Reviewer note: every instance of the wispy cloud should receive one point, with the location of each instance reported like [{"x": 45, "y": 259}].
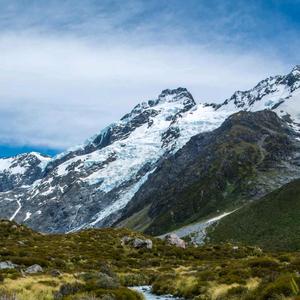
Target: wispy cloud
[{"x": 66, "y": 73}]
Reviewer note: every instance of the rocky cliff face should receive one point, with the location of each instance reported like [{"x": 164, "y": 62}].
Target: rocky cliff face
[{"x": 91, "y": 184}]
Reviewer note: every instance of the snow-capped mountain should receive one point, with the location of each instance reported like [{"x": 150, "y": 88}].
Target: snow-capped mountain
[
  {"x": 21, "y": 170},
  {"x": 279, "y": 93},
  {"x": 90, "y": 184}
]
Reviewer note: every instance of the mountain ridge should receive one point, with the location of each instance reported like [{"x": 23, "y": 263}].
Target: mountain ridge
[{"x": 90, "y": 184}]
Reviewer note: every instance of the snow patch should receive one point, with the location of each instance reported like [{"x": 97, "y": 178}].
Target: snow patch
[
  {"x": 17, "y": 211},
  {"x": 28, "y": 214}
]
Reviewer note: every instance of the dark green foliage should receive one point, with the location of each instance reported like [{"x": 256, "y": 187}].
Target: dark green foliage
[
  {"x": 67, "y": 289},
  {"x": 263, "y": 262},
  {"x": 284, "y": 286},
  {"x": 96, "y": 289}
]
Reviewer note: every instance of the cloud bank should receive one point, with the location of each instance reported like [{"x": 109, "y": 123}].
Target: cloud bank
[{"x": 65, "y": 74}]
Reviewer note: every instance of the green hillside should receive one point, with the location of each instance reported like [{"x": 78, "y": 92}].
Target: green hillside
[{"x": 273, "y": 222}]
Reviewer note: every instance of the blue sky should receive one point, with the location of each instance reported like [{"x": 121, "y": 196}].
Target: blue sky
[{"x": 68, "y": 68}]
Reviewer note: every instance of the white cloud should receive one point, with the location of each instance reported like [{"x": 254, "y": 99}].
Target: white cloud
[
  {"x": 56, "y": 91},
  {"x": 67, "y": 69}
]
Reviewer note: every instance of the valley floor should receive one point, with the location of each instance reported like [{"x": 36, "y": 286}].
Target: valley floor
[{"x": 97, "y": 264}]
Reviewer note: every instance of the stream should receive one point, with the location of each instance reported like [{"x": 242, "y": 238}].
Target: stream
[{"x": 146, "y": 291}]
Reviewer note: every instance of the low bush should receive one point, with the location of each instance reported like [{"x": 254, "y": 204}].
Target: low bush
[
  {"x": 67, "y": 289},
  {"x": 263, "y": 262},
  {"x": 284, "y": 286}
]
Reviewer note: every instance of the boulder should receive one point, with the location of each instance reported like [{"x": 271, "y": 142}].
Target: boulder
[
  {"x": 173, "y": 239},
  {"x": 140, "y": 243},
  {"x": 137, "y": 243},
  {"x": 7, "y": 265},
  {"x": 34, "y": 269}
]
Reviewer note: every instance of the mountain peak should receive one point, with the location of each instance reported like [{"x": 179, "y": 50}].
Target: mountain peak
[
  {"x": 173, "y": 92},
  {"x": 174, "y": 95},
  {"x": 269, "y": 93},
  {"x": 166, "y": 96},
  {"x": 296, "y": 69}
]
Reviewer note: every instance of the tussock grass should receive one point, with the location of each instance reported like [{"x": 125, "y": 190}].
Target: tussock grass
[{"x": 36, "y": 287}]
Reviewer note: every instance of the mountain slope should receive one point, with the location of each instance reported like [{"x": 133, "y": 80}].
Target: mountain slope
[
  {"x": 272, "y": 222},
  {"x": 91, "y": 184},
  {"x": 248, "y": 156}
]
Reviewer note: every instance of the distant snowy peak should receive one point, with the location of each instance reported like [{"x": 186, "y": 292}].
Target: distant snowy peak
[
  {"x": 20, "y": 163},
  {"x": 21, "y": 170},
  {"x": 278, "y": 93}
]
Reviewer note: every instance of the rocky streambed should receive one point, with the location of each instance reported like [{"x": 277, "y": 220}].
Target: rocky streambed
[{"x": 146, "y": 291}]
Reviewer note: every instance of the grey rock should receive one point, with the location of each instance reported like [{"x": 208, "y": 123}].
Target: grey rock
[
  {"x": 137, "y": 243},
  {"x": 34, "y": 269},
  {"x": 174, "y": 240},
  {"x": 140, "y": 243},
  {"x": 7, "y": 265}
]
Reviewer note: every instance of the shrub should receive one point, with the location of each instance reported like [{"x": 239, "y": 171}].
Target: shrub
[
  {"x": 283, "y": 286},
  {"x": 263, "y": 262},
  {"x": 134, "y": 279},
  {"x": 284, "y": 258},
  {"x": 29, "y": 261},
  {"x": 106, "y": 282},
  {"x": 67, "y": 289}
]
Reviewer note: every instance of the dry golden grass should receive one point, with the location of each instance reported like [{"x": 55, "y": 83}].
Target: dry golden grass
[
  {"x": 218, "y": 290},
  {"x": 253, "y": 283},
  {"x": 36, "y": 287},
  {"x": 185, "y": 284}
]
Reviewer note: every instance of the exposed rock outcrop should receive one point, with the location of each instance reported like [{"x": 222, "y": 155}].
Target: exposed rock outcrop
[
  {"x": 137, "y": 243},
  {"x": 173, "y": 239},
  {"x": 34, "y": 269}
]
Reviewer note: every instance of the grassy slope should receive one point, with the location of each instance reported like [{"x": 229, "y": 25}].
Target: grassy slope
[{"x": 273, "y": 222}]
